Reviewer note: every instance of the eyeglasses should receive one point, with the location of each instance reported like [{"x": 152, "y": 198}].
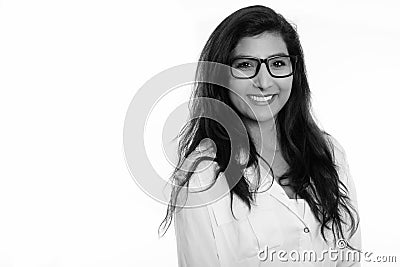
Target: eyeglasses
[{"x": 277, "y": 66}]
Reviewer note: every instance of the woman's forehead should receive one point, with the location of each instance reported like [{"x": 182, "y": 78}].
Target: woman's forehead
[{"x": 262, "y": 46}]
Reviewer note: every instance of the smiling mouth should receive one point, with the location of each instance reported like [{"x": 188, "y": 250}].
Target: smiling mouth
[{"x": 262, "y": 100}]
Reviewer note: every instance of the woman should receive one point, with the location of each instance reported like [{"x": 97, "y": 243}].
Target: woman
[{"x": 289, "y": 187}]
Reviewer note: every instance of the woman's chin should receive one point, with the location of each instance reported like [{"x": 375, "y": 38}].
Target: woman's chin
[{"x": 262, "y": 118}]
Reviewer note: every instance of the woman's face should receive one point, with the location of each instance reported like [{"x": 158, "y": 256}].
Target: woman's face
[{"x": 245, "y": 93}]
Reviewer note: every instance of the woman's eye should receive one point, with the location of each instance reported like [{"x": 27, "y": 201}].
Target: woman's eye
[
  {"x": 278, "y": 64},
  {"x": 244, "y": 65}
]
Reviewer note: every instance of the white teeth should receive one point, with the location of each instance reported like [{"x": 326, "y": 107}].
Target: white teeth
[{"x": 260, "y": 98}]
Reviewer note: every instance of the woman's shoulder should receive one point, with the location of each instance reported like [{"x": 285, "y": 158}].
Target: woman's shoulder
[
  {"x": 201, "y": 162},
  {"x": 206, "y": 146},
  {"x": 204, "y": 151},
  {"x": 335, "y": 147},
  {"x": 340, "y": 158}
]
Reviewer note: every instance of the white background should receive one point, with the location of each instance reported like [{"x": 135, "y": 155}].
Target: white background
[{"x": 69, "y": 69}]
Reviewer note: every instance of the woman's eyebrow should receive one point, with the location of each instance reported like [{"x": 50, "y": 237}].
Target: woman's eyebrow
[{"x": 248, "y": 55}]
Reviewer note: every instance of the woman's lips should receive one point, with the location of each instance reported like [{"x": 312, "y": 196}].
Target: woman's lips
[{"x": 261, "y": 100}]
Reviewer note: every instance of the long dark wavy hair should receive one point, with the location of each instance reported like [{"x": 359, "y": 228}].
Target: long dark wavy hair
[{"x": 312, "y": 171}]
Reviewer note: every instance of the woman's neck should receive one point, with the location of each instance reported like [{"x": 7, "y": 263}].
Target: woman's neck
[{"x": 264, "y": 135}]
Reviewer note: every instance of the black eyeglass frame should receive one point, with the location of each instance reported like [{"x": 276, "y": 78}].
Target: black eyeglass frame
[{"x": 293, "y": 59}]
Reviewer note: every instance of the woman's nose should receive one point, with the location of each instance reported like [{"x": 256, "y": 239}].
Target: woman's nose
[{"x": 263, "y": 78}]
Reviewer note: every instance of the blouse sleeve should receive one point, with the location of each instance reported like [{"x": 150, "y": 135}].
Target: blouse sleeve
[
  {"x": 194, "y": 231},
  {"x": 353, "y": 259}
]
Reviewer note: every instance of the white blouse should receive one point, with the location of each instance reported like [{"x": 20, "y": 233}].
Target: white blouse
[{"x": 276, "y": 231}]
